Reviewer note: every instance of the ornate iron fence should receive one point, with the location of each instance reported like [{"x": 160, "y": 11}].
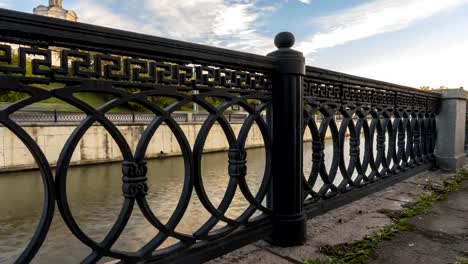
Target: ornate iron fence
[
  {"x": 392, "y": 132},
  {"x": 129, "y": 67}
]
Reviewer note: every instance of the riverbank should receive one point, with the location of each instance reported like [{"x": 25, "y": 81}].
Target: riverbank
[
  {"x": 157, "y": 156},
  {"x": 97, "y": 145},
  {"x": 371, "y": 217}
]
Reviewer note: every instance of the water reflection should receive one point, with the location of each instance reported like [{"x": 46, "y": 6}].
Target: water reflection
[
  {"x": 94, "y": 194},
  {"x": 95, "y": 199}
]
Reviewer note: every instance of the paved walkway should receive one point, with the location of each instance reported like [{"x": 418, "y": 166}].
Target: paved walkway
[{"x": 440, "y": 236}]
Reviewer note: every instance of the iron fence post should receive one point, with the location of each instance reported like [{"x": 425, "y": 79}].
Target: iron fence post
[
  {"x": 289, "y": 228},
  {"x": 269, "y": 122}
]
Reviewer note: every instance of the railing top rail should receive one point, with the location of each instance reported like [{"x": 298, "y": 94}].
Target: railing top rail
[
  {"x": 334, "y": 76},
  {"x": 46, "y": 31}
]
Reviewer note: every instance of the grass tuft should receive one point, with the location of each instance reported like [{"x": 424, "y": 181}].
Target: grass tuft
[{"x": 357, "y": 252}]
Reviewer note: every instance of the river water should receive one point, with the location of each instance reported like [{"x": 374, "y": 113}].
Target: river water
[{"x": 95, "y": 199}]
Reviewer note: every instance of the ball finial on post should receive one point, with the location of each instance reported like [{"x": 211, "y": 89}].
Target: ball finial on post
[
  {"x": 289, "y": 219},
  {"x": 284, "y": 40}
]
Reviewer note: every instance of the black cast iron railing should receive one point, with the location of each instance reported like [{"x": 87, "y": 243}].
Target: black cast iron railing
[{"x": 391, "y": 128}]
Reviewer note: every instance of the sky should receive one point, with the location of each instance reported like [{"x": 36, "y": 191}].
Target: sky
[{"x": 410, "y": 42}]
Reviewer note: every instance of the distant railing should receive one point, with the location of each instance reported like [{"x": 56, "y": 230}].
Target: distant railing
[
  {"x": 58, "y": 117},
  {"x": 466, "y": 130},
  {"x": 391, "y": 131},
  {"x": 391, "y": 128}
]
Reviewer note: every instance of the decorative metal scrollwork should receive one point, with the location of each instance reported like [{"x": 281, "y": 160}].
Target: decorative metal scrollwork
[
  {"x": 381, "y": 143},
  {"x": 237, "y": 162},
  {"x": 373, "y": 115},
  {"x": 317, "y": 151},
  {"x": 122, "y": 70},
  {"x": 131, "y": 79},
  {"x": 383, "y": 129},
  {"x": 354, "y": 148},
  {"x": 134, "y": 179}
]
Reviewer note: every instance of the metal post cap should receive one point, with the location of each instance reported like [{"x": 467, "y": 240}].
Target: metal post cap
[{"x": 284, "y": 40}]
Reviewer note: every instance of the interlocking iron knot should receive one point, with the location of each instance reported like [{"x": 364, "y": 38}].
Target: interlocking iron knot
[
  {"x": 401, "y": 140},
  {"x": 417, "y": 137},
  {"x": 354, "y": 147},
  {"x": 381, "y": 143},
  {"x": 237, "y": 163},
  {"x": 134, "y": 179},
  {"x": 318, "y": 151}
]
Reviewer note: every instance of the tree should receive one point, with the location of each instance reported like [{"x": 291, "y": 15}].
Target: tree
[{"x": 429, "y": 88}]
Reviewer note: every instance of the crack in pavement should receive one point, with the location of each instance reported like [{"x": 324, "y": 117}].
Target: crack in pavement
[{"x": 287, "y": 258}]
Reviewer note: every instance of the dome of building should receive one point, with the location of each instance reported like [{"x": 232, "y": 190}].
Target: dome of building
[
  {"x": 71, "y": 15},
  {"x": 41, "y": 8}
]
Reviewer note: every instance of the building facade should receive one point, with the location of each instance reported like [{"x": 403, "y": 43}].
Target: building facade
[{"x": 56, "y": 10}]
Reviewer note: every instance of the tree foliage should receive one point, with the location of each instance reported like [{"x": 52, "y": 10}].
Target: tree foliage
[{"x": 8, "y": 95}]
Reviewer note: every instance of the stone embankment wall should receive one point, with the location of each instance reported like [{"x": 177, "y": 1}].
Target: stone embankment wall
[{"x": 98, "y": 146}]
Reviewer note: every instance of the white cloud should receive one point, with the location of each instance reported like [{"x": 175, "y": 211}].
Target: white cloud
[
  {"x": 103, "y": 16},
  {"x": 304, "y": 1},
  {"x": 431, "y": 67},
  {"x": 230, "y": 24},
  {"x": 372, "y": 18},
  {"x": 5, "y": 4}
]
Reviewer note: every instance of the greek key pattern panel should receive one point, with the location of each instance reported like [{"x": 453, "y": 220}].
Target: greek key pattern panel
[
  {"x": 57, "y": 64},
  {"x": 340, "y": 90}
]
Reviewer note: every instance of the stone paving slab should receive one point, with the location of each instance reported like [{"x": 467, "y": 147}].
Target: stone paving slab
[
  {"x": 257, "y": 256},
  {"x": 436, "y": 177},
  {"x": 344, "y": 224},
  {"x": 442, "y": 222},
  {"x": 458, "y": 200},
  {"x": 440, "y": 236},
  {"x": 335, "y": 233},
  {"x": 413, "y": 248},
  {"x": 404, "y": 192}
]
